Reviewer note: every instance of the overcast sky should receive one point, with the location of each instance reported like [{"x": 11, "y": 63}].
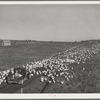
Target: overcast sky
[{"x": 50, "y": 22}]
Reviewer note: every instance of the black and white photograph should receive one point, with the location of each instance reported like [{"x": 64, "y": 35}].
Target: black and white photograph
[{"x": 49, "y": 48}]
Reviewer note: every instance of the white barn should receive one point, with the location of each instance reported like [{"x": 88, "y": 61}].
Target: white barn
[{"x": 6, "y": 43}]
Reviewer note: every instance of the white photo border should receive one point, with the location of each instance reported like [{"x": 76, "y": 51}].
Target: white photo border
[{"x": 49, "y": 96}]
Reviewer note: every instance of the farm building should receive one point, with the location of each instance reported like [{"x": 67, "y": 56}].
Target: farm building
[{"x": 6, "y": 43}]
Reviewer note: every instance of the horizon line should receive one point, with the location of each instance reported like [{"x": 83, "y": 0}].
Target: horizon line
[{"x": 48, "y": 40}]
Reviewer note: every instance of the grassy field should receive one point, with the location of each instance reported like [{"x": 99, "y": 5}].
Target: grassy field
[{"x": 17, "y": 55}]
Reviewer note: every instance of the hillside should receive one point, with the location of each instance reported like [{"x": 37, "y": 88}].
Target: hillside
[
  {"x": 15, "y": 55},
  {"x": 59, "y": 67}
]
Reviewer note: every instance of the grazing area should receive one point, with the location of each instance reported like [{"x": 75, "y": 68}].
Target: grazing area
[
  {"x": 52, "y": 67},
  {"x": 18, "y": 54}
]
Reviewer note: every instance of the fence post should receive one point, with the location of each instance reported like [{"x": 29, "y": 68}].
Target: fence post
[{"x": 21, "y": 90}]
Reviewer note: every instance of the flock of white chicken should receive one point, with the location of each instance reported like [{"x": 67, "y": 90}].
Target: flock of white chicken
[{"x": 56, "y": 68}]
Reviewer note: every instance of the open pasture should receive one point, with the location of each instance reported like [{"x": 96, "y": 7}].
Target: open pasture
[
  {"x": 59, "y": 68},
  {"x": 15, "y": 55}
]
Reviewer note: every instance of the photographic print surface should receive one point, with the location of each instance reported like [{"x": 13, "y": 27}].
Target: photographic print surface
[{"x": 50, "y": 48}]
